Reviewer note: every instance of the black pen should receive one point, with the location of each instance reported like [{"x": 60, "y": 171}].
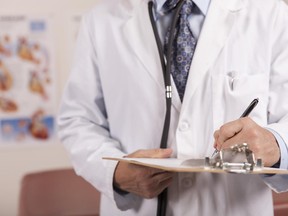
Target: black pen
[
  {"x": 251, "y": 106},
  {"x": 248, "y": 110}
]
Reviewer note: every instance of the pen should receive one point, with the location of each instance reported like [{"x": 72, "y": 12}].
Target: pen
[
  {"x": 251, "y": 106},
  {"x": 248, "y": 110}
]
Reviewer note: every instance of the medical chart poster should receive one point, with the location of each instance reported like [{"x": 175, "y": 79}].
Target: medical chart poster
[{"x": 27, "y": 79}]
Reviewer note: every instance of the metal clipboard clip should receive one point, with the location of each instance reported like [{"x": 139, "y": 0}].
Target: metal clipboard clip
[{"x": 237, "y": 159}]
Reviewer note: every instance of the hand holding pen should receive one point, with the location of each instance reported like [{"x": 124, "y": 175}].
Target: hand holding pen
[
  {"x": 248, "y": 110},
  {"x": 244, "y": 130}
]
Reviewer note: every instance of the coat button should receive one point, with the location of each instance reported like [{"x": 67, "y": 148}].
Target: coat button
[
  {"x": 184, "y": 126},
  {"x": 187, "y": 182}
]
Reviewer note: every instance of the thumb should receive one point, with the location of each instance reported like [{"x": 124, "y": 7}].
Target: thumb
[{"x": 152, "y": 153}]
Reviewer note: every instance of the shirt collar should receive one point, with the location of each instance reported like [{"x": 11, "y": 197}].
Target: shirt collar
[{"x": 203, "y": 5}]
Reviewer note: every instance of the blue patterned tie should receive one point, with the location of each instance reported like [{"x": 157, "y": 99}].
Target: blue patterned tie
[{"x": 183, "y": 45}]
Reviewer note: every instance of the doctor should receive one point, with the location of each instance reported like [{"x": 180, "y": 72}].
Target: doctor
[{"x": 115, "y": 103}]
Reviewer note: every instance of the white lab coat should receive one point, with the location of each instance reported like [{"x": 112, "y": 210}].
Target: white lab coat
[{"x": 114, "y": 102}]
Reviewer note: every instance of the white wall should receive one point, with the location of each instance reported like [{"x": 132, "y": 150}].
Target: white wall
[{"x": 16, "y": 160}]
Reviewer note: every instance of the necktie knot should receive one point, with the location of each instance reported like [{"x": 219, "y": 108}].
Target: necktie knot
[{"x": 170, "y": 5}]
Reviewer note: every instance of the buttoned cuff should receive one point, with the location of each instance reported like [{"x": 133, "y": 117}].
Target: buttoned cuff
[{"x": 283, "y": 150}]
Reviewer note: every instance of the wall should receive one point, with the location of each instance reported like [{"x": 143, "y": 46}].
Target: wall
[{"x": 16, "y": 160}]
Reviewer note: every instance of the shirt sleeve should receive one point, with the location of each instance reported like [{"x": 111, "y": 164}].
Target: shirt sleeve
[
  {"x": 283, "y": 150},
  {"x": 279, "y": 183},
  {"x": 83, "y": 125}
]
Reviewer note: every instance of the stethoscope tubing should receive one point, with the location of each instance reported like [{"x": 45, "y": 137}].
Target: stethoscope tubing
[{"x": 166, "y": 68}]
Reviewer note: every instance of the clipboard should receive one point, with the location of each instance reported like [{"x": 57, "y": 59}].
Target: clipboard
[
  {"x": 238, "y": 159},
  {"x": 178, "y": 165}
]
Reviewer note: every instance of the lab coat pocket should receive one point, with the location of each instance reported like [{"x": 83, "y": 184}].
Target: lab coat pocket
[{"x": 233, "y": 92}]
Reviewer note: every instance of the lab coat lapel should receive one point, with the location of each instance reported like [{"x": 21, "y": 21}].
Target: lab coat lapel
[
  {"x": 218, "y": 24},
  {"x": 140, "y": 37}
]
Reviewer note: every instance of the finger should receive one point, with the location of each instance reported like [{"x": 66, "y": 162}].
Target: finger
[
  {"x": 153, "y": 186},
  {"x": 149, "y": 194},
  {"x": 239, "y": 138},
  {"x": 160, "y": 174},
  {"x": 158, "y": 187},
  {"x": 153, "y": 171},
  {"x": 250, "y": 134},
  {"x": 147, "y": 172},
  {"x": 164, "y": 184},
  {"x": 229, "y": 130},
  {"x": 157, "y": 179},
  {"x": 152, "y": 153},
  {"x": 216, "y": 135}
]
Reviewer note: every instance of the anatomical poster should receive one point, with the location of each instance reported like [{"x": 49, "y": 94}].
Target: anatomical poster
[{"x": 27, "y": 79}]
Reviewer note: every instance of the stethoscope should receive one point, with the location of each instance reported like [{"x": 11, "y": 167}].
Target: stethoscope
[{"x": 166, "y": 68}]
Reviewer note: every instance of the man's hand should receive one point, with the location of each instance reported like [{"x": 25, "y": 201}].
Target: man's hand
[
  {"x": 244, "y": 130},
  {"x": 140, "y": 180}
]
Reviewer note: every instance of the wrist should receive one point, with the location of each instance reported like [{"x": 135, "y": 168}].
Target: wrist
[{"x": 116, "y": 184}]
